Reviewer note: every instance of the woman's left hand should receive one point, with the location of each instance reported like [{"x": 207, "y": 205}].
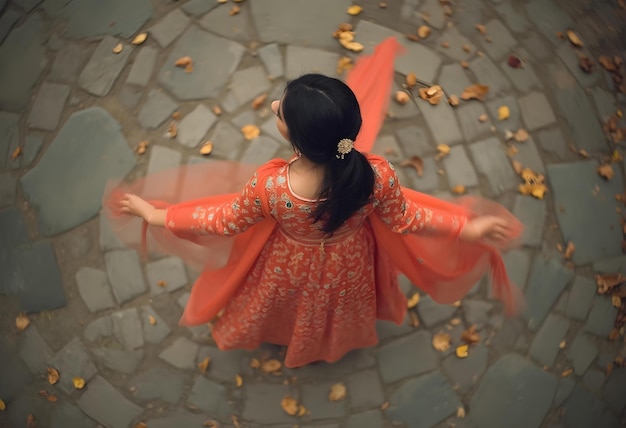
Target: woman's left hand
[{"x": 134, "y": 205}]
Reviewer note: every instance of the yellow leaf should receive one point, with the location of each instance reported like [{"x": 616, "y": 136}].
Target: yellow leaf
[
  {"x": 441, "y": 341},
  {"x": 258, "y": 101},
  {"x": 402, "y": 97},
  {"x": 354, "y": 10},
  {"x": 302, "y": 410},
  {"x": 206, "y": 148},
  {"x": 460, "y": 412},
  {"x": 616, "y": 301},
  {"x": 217, "y": 110},
  {"x": 142, "y": 147},
  {"x": 353, "y": 46},
  {"x": 458, "y": 189},
  {"x": 140, "y": 425},
  {"x": 118, "y": 48},
  {"x": 53, "y": 376},
  {"x": 151, "y": 320},
  {"x": 562, "y": 344},
  {"x": 234, "y": 11},
  {"x": 204, "y": 365},
  {"x": 444, "y": 150},
  {"x": 337, "y": 392},
  {"x": 345, "y": 63},
  {"x": 462, "y": 351},
  {"x": 503, "y": 112},
  {"x": 140, "y": 38},
  {"x": 411, "y": 79},
  {"x": 183, "y": 61},
  {"x": 16, "y": 153},
  {"x": 423, "y": 31},
  {"x": 78, "y": 382},
  {"x": 289, "y": 405},
  {"x": 271, "y": 366},
  {"x": 21, "y": 322},
  {"x": 521, "y": 135},
  {"x": 574, "y": 39},
  {"x": 413, "y": 301},
  {"x": 255, "y": 363},
  {"x": 606, "y": 171},
  {"x": 250, "y": 132},
  {"x": 3, "y": 406},
  {"x": 477, "y": 92},
  {"x": 432, "y": 94},
  {"x": 238, "y": 381},
  {"x": 567, "y": 372}
]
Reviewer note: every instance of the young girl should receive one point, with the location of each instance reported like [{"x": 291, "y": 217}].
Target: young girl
[{"x": 338, "y": 229}]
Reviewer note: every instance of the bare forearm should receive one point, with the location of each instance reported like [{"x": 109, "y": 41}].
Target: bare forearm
[{"x": 157, "y": 218}]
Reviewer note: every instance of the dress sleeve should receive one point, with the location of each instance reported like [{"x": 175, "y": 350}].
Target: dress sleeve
[
  {"x": 404, "y": 215},
  {"x": 202, "y": 217}
]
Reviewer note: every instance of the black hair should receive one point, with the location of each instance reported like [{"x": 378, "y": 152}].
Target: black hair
[{"x": 320, "y": 111}]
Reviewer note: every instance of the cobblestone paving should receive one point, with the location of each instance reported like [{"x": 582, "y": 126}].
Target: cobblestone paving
[{"x": 78, "y": 112}]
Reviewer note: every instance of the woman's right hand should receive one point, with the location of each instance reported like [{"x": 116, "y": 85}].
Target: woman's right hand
[{"x": 488, "y": 227}]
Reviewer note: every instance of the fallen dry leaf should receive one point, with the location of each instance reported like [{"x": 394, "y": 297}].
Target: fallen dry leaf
[
  {"x": 455, "y": 321},
  {"x": 415, "y": 321},
  {"x": 462, "y": 351},
  {"x": 517, "y": 167},
  {"x": 185, "y": 62},
  {"x": 255, "y": 363},
  {"x": 415, "y": 162},
  {"x": 151, "y": 320},
  {"x": 139, "y": 38},
  {"x": 271, "y": 366},
  {"x": 401, "y": 97},
  {"x": 563, "y": 344},
  {"x": 238, "y": 381},
  {"x": 616, "y": 301},
  {"x": 477, "y": 92},
  {"x": 352, "y": 46},
  {"x": 413, "y": 301},
  {"x": 432, "y": 95},
  {"x": 3, "y": 405},
  {"x": 514, "y": 61},
  {"x": 441, "y": 341},
  {"x": 460, "y": 412},
  {"x": 211, "y": 424},
  {"x": 470, "y": 335},
  {"x": 521, "y": 135},
  {"x": 483, "y": 118},
  {"x": 118, "y": 48},
  {"x": 140, "y": 425},
  {"x": 337, "y": 392},
  {"x": 445, "y": 45},
  {"x": 16, "y": 153},
  {"x": 411, "y": 79},
  {"x": 30, "y": 421},
  {"x": 217, "y": 110},
  {"x": 423, "y": 31},
  {"x": 569, "y": 250},
  {"x": 444, "y": 150},
  {"x": 344, "y": 64},
  {"x": 574, "y": 39},
  {"x": 22, "y": 322},
  {"x": 458, "y": 189},
  {"x": 142, "y": 147},
  {"x": 176, "y": 115},
  {"x": 78, "y": 382},
  {"x": 464, "y": 64},
  {"x": 412, "y": 37},
  {"x": 289, "y": 405},
  {"x": 481, "y": 29},
  {"x": 606, "y": 171},
  {"x": 503, "y": 113},
  {"x": 234, "y": 10},
  {"x": 204, "y": 365},
  {"x": 250, "y": 132},
  {"x": 585, "y": 64},
  {"x": 382, "y": 5},
  {"x": 567, "y": 372},
  {"x": 453, "y": 100},
  {"x": 259, "y": 101},
  {"x": 53, "y": 375},
  {"x": 162, "y": 283},
  {"x": 607, "y": 282},
  {"x": 206, "y": 148},
  {"x": 172, "y": 130},
  {"x": 354, "y": 10},
  {"x": 467, "y": 48}
]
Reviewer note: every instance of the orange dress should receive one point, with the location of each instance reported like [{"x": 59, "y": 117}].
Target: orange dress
[{"x": 317, "y": 296}]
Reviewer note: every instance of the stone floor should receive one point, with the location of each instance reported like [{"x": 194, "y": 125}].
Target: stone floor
[{"x": 78, "y": 112}]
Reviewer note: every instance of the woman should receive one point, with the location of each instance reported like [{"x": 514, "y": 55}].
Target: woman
[{"x": 325, "y": 273}]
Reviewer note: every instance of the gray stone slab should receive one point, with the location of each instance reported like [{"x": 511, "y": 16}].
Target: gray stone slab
[
  {"x": 8, "y": 189},
  {"x": 177, "y": 417},
  {"x": 300, "y": 22},
  {"x": 7, "y": 21},
  {"x": 12, "y": 235},
  {"x": 72, "y": 361},
  {"x": 524, "y": 78},
  {"x": 582, "y": 197},
  {"x": 528, "y": 155},
  {"x": 103, "y": 67},
  {"x": 566, "y": 385},
  {"x": 547, "y": 280},
  {"x": 414, "y": 141},
  {"x": 48, "y": 106},
  {"x": 170, "y": 271},
  {"x": 246, "y": 84},
  {"x": 94, "y": 288},
  {"x": 225, "y": 365},
  {"x": 156, "y": 109},
  {"x": 537, "y": 46},
  {"x": 369, "y": 419},
  {"x": 536, "y": 111},
  {"x": 453, "y": 79},
  {"x": 398, "y": 111},
  {"x": 160, "y": 383},
  {"x": 465, "y": 372},
  {"x": 513, "y": 393},
  {"x": 9, "y": 138},
  {"x": 532, "y": 213},
  {"x": 234, "y": 27},
  {"x": 552, "y": 141},
  {"x": 68, "y": 62},
  {"x": 300, "y": 60},
  {"x": 441, "y": 121},
  {"x": 127, "y": 328},
  {"x": 272, "y": 60},
  {"x": 602, "y": 316},
  {"x": 32, "y": 147},
  {"x": 169, "y": 27},
  {"x": 153, "y": 333},
  {"x": 100, "y": 327},
  {"x": 365, "y": 389},
  {"x": 476, "y": 312},
  {"x": 66, "y": 415},
  {"x": 181, "y": 354},
  {"x": 502, "y": 42},
  {"x": 514, "y": 17},
  {"x": 22, "y": 58},
  {"x": 195, "y": 125},
  {"x": 456, "y": 43},
  {"x": 227, "y": 140},
  {"x": 143, "y": 66},
  {"x": 584, "y": 409},
  {"x": 594, "y": 379},
  {"x": 611, "y": 265},
  {"x": 409, "y": 356},
  {"x": 580, "y": 298},
  {"x": 434, "y": 11},
  {"x": 214, "y": 61},
  {"x": 199, "y": 7},
  {"x": 262, "y": 404},
  {"x": 545, "y": 346},
  {"x": 581, "y": 353},
  {"x": 34, "y": 350},
  {"x": 14, "y": 374},
  {"x": 548, "y": 18},
  {"x": 69, "y": 199},
  {"x": 488, "y": 73},
  {"x": 428, "y": 182},
  {"x": 473, "y": 128},
  {"x": 581, "y": 118},
  {"x": 129, "y": 96},
  {"x": 604, "y": 102},
  {"x": 315, "y": 399},
  {"x": 570, "y": 57},
  {"x": 107, "y": 405},
  {"x": 125, "y": 275},
  {"x": 432, "y": 313},
  {"x": 615, "y": 389},
  {"x": 119, "y": 360},
  {"x": 459, "y": 169},
  {"x": 108, "y": 239},
  {"x": 423, "y": 402},
  {"x": 490, "y": 159},
  {"x": 260, "y": 150},
  {"x": 517, "y": 264}
]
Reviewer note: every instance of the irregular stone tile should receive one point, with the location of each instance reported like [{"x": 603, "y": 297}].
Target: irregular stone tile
[
  {"x": 573, "y": 188},
  {"x": 387, "y": 330},
  {"x": 611, "y": 265},
  {"x": 409, "y": 356},
  {"x": 195, "y": 125},
  {"x": 548, "y": 18},
  {"x": 582, "y": 120},
  {"x": 181, "y": 354},
  {"x": 418, "y": 58},
  {"x": 537, "y": 46},
  {"x": 260, "y": 150},
  {"x": 398, "y": 111},
  {"x": 552, "y": 141},
  {"x": 9, "y": 138},
  {"x": 513, "y": 16},
  {"x": 615, "y": 389},
  {"x": 594, "y": 379},
  {"x": 7, "y": 21},
  {"x": 536, "y": 111},
  {"x": 473, "y": 128},
  {"x": 463, "y": 373},
  {"x": 156, "y": 109},
  {"x": 233, "y": 27},
  {"x": 456, "y": 43},
  {"x": 532, "y": 213},
  {"x": 125, "y": 275},
  {"x": 488, "y": 73},
  {"x": 94, "y": 288},
  {"x": 225, "y": 365},
  {"x": 158, "y": 383},
  {"x": 429, "y": 181},
  {"x": 108, "y": 239},
  {"x": 26, "y": 402},
  {"x": 442, "y": 122},
  {"x": 602, "y": 316},
  {"x": 584, "y": 409},
  {"x": 22, "y": 58},
  {"x": 272, "y": 60},
  {"x": 545, "y": 346},
  {"x": 66, "y": 415},
  {"x": 73, "y": 358},
  {"x": 502, "y": 43},
  {"x": 459, "y": 169},
  {"x": 32, "y": 147},
  {"x": 604, "y": 102},
  {"x": 369, "y": 419},
  {"x": 143, "y": 65},
  {"x": 389, "y": 144},
  {"x": 162, "y": 158},
  {"x": 129, "y": 97},
  {"x": 490, "y": 159},
  {"x": 127, "y": 328},
  {"x": 561, "y": 76},
  {"x": 528, "y": 156},
  {"x": 505, "y": 339},
  {"x": 177, "y": 417},
  {"x": 68, "y": 62},
  {"x": 423, "y": 402},
  {"x": 262, "y": 403},
  {"x": 300, "y": 22},
  {"x": 472, "y": 11},
  {"x": 170, "y": 271},
  {"x": 581, "y": 353},
  {"x": 580, "y": 298},
  {"x": 453, "y": 79},
  {"x": 8, "y": 189},
  {"x": 431, "y": 312},
  {"x": 476, "y": 312},
  {"x": 198, "y": 7},
  {"x": 434, "y": 11},
  {"x": 214, "y": 61},
  {"x": 315, "y": 399},
  {"x": 524, "y": 78},
  {"x": 67, "y": 200},
  {"x": 570, "y": 58},
  {"x": 169, "y": 27},
  {"x": 103, "y": 68},
  {"x": 513, "y": 392},
  {"x": 301, "y": 60},
  {"x": 227, "y": 140},
  {"x": 153, "y": 333},
  {"x": 107, "y": 405},
  {"x": 14, "y": 374},
  {"x": 48, "y": 106},
  {"x": 365, "y": 389},
  {"x": 34, "y": 350},
  {"x": 98, "y": 328},
  {"x": 119, "y": 360},
  {"x": 566, "y": 385},
  {"x": 12, "y": 235},
  {"x": 547, "y": 280},
  {"x": 414, "y": 141}
]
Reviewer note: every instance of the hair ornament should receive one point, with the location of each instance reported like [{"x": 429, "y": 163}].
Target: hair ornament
[{"x": 344, "y": 147}]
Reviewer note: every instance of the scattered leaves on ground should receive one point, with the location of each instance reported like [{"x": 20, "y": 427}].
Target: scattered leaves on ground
[
  {"x": 401, "y": 97},
  {"x": 53, "y": 375},
  {"x": 481, "y": 29},
  {"x": 211, "y": 424},
  {"x": 78, "y": 382},
  {"x": 234, "y": 10},
  {"x": 271, "y": 366},
  {"x": 432, "y": 94},
  {"x": 118, "y": 48},
  {"x": 460, "y": 412},
  {"x": 503, "y": 113},
  {"x": 139, "y": 38},
  {"x": 476, "y": 92},
  {"x": 344, "y": 64},
  {"x": 533, "y": 184},
  {"x": 415, "y": 162},
  {"x": 470, "y": 335},
  {"x": 585, "y": 63},
  {"x": 354, "y": 10},
  {"x": 22, "y": 322},
  {"x": 291, "y": 406},
  {"x": 462, "y": 351},
  {"x": 413, "y": 301},
  {"x": 204, "y": 365},
  {"x": 441, "y": 341},
  {"x": 250, "y": 132},
  {"x": 606, "y": 171},
  {"x": 337, "y": 392},
  {"x": 607, "y": 282},
  {"x": 345, "y": 36}
]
